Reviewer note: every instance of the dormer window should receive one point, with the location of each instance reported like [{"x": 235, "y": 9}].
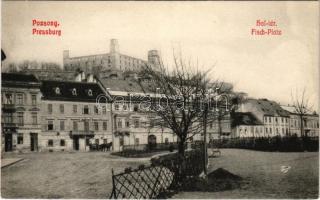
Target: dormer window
[
  {"x": 74, "y": 92},
  {"x": 90, "y": 92},
  {"x": 57, "y": 90}
]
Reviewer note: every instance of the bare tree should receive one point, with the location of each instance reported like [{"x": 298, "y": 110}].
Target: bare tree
[
  {"x": 184, "y": 103},
  {"x": 302, "y": 107}
]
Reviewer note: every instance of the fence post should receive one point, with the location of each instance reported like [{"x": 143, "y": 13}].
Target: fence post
[{"x": 113, "y": 187}]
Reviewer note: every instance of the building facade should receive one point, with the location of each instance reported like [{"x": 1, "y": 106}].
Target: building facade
[
  {"x": 246, "y": 125},
  {"x": 310, "y": 123},
  {"x": 276, "y": 121},
  {"x": 71, "y": 119},
  {"x": 20, "y": 118},
  {"x": 133, "y": 123}
]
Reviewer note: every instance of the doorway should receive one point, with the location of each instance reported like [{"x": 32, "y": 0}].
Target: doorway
[
  {"x": 8, "y": 142},
  {"x": 76, "y": 143},
  {"x": 33, "y": 141}
]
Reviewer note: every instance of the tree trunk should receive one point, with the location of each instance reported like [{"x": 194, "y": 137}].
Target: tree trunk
[
  {"x": 301, "y": 126},
  {"x": 181, "y": 149}
]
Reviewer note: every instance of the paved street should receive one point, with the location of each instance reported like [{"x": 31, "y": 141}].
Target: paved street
[
  {"x": 88, "y": 175},
  {"x": 63, "y": 175}
]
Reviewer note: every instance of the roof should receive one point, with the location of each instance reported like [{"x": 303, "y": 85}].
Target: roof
[
  {"x": 122, "y": 85},
  {"x": 291, "y": 109},
  {"x": 71, "y": 91},
  {"x": 19, "y": 80},
  {"x": 244, "y": 118},
  {"x": 16, "y": 77},
  {"x": 270, "y": 108}
]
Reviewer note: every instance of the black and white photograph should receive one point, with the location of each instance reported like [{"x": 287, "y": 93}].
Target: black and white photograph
[{"x": 160, "y": 99}]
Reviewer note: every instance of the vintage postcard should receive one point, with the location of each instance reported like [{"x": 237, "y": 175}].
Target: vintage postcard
[{"x": 160, "y": 99}]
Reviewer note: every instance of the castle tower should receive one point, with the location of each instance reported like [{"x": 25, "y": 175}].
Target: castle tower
[
  {"x": 154, "y": 58},
  {"x": 114, "y": 54}
]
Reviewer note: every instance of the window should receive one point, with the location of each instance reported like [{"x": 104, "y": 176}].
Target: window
[
  {"x": 49, "y": 108},
  {"x": 276, "y": 119},
  {"x": 20, "y": 119},
  {"x": 9, "y": 99},
  {"x": 19, "y": 99},
  {"x": 269, "y": 119},
  {"x": 74, "y": 92},
  {"x": 8, "y": 117},
  {"x": 50, "y": 143},
  {"x": 104, "y": 125},
  {"x": 97, "y": 141},
  {"x": 125, "y": 107},
  {"x": 34, "y": 99},
  {"x": 62, "y": 143},
  {"x": 211, "y": 125},
  {"x": 104, "y": 110},
  {"x": 50, "y": 125},
  {"x": 166, "y": 140},
  {"x": 96, "y": 110},
  {"x": 61, "y": 108},
  {"x": 135, "y": 108},
  {"x": 266, "y": 130},
  {"x": 86, "y": 110},
  {"x": 20, "y": 138},
  {"x": 116, "y": 107},
  {"x": 75, "y": 125},
  {"x": 34, "y": 118},
  {"x": 121, "y": 141},
  {"x": 62, "y": 125},
  {"x": 281, "y": 119},
  {"x": 96, "y": 126},
  {"x": 265, "y": 119},
  {"x": 127, "y": 123},
  {"x": 283, "y": 130},
  {"x": 90, "y": 92},
  {"x": 270, "y": 130},
  {"x": 86, "y": 126},
  {"x": 137, "y": 141},
  {"x": 119, "y": 123},
  {"x": 75, "y": 108},
  {"x": 57, "y": 90},
  {"x": 136, "y": 123}
]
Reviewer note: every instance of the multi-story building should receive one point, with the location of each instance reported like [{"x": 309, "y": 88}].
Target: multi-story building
[
  {"x": 275, "y": 119},
  {"x": 310, "y": 123},
  {"x": 245, "y": 124},
  {"x": 102, "y": 64},
  {"x": 20, "y": 118},
  {"x": 133, "y": 123},
  {"x": 71, "y": 119}
]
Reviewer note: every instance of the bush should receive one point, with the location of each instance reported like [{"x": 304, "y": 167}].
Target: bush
[{"x": 277, "y": 143}]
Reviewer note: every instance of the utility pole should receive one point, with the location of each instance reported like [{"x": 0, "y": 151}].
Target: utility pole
[{"x": 205, "y": 117}]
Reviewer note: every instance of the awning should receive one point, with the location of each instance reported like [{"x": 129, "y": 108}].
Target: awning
[{"x": 82, "y": 133}]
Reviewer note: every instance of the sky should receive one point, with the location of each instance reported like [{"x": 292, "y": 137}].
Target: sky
[{"x": 217, "y": 35}]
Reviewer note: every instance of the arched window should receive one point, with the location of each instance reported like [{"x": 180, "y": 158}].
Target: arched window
[
  {"x": 74, "y": 92},
  {"x": 57, "y": 90},
  {"x": 90, "y": 92}
]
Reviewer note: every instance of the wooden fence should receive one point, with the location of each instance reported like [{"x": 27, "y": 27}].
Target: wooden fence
[{"x": 142, "y": 183}]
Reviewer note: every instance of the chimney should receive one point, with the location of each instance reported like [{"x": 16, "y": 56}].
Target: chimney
[
  {"x": 78, "y": 77},
  {"x": 83, "y": 76},
  {"x": 90, "y": 78}
]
